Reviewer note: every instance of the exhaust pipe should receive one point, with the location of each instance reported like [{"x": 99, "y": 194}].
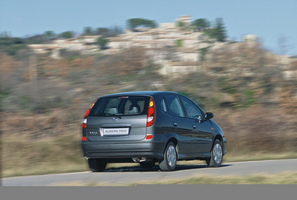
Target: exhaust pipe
[{"x": 139, "y": 159}]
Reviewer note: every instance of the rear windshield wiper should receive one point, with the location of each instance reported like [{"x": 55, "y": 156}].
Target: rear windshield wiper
[{"x": 112, "y": 115}]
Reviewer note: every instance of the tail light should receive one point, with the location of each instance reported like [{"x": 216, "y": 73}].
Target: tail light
[
  {"x": 84, "y": 121},
  {"x": 151, "y": 116}
]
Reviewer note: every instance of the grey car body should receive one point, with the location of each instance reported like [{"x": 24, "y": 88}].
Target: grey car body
[{"x": 149, "y": 127}]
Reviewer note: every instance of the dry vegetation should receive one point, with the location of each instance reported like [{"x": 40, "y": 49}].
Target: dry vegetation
[{"x": 251, "y": 101}]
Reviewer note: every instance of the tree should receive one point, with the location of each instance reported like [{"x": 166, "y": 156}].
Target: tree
[
  {"x": 88, "y": 31},
  {"x": 12, "y": 45},
  {"x": 220, "y": 32},
  {"x": 114, "y": 31},
  {"x": 136, "y": 22},
  {"x": 36, "y": 39},
  {"x": 49, "y": 35},
  {"x": 181, "y": 24},
  {"x": 201, "y": 24},
  {"x": 102, "y": 31},
  {"x": 109, "y": 32},
  {"x": 67, "y": 34},
  {"x": 211, "y": 32},
  {"x": 102, "y": 42}
]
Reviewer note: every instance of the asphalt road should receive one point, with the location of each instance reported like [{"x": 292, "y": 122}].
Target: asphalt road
[{"x": 126, "y": 175}]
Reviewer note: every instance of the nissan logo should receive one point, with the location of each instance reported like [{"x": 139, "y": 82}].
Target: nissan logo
[{"x": 115, "y": 119}]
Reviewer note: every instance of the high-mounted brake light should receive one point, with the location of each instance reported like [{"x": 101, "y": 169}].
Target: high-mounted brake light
[{"x": 151, "y": 116}]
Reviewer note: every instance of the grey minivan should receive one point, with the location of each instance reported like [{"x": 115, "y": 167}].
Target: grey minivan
[{"x": 150, "y": 127}]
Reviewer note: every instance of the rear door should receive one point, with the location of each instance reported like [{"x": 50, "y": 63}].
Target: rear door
[
  {"x": 118, "y": 118},
  {"x": 180, "y": 124}
]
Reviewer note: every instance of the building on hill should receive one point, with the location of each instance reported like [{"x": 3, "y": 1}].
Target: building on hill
[
  {"x": 167, "y": 45},
  {"x": 185, "y": 19},
  {"x": 84, "y": 44},
  {"x": 250, "y": 38},
  {"x": 167, "y": 25}
]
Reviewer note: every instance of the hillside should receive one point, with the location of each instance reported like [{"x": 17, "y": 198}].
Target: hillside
[
  {"x": 229, "y": 81},
  {"x": 44, "y": 98}
]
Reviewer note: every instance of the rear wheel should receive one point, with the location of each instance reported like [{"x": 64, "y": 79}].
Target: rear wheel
[
  {"x": 170, "y": 157},
  {"x": 147, "y": 165},
  {"x": 96, "y": 165},
  {"x": 216, "y": 156}
]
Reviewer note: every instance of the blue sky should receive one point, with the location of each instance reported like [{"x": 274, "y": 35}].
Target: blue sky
[{"x": 272, "y": 20}]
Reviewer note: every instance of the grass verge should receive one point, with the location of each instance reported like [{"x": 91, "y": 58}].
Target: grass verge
[{"x": 279, "y": 178}]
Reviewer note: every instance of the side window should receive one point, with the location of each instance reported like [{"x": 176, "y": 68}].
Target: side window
[
  {"x": 163, "y": 106},
  {"x": 192, "y": 110},
  {"x": 174, "y": 106}
]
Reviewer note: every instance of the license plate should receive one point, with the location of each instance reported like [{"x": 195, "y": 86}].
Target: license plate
[{"x": 115, "y": 131}]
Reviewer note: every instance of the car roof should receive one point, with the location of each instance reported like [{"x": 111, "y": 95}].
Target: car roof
[{"x": 142, "y": 93}]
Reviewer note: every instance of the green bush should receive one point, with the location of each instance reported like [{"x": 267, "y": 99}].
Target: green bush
[
  {"x": 179, "y": 43},
  {"x": 248, "y": 98},
  {"x": 226, "y": 86},
  {"x": 4, "y": 93},
  {"x": 12, "y": 46},
  {"x": 25, "y": 102}
]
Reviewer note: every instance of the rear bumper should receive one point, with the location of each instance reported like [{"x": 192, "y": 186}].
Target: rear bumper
[{"x": 122, "y": 150}]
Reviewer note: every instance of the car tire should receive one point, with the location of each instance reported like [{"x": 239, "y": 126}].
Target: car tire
[
  {"x": 147, "y": 165},
  {"x": 216, "y": 155},
  {"x": 96, "y": 165},
  {"x": 170, "y": 157}
]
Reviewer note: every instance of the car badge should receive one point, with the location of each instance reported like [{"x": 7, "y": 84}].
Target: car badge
[{"x": 115, "y": 119}]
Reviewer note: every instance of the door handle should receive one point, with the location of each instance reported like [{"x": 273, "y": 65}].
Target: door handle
[
  {"x": 174, "y": 124},
  {"x": 194, "y": 127}
]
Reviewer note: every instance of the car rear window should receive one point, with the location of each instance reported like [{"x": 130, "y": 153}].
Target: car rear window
[{"x": 121, "y": 106}]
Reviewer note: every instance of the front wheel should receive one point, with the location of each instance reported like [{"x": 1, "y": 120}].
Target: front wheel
[
  {"x": 216, "y": 155},
  {"x": 170, "y": 157},
  {"x": 96, "y": 165}
]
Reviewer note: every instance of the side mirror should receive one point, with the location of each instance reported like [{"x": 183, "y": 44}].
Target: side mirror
[{"x": 208, "y": 115}]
